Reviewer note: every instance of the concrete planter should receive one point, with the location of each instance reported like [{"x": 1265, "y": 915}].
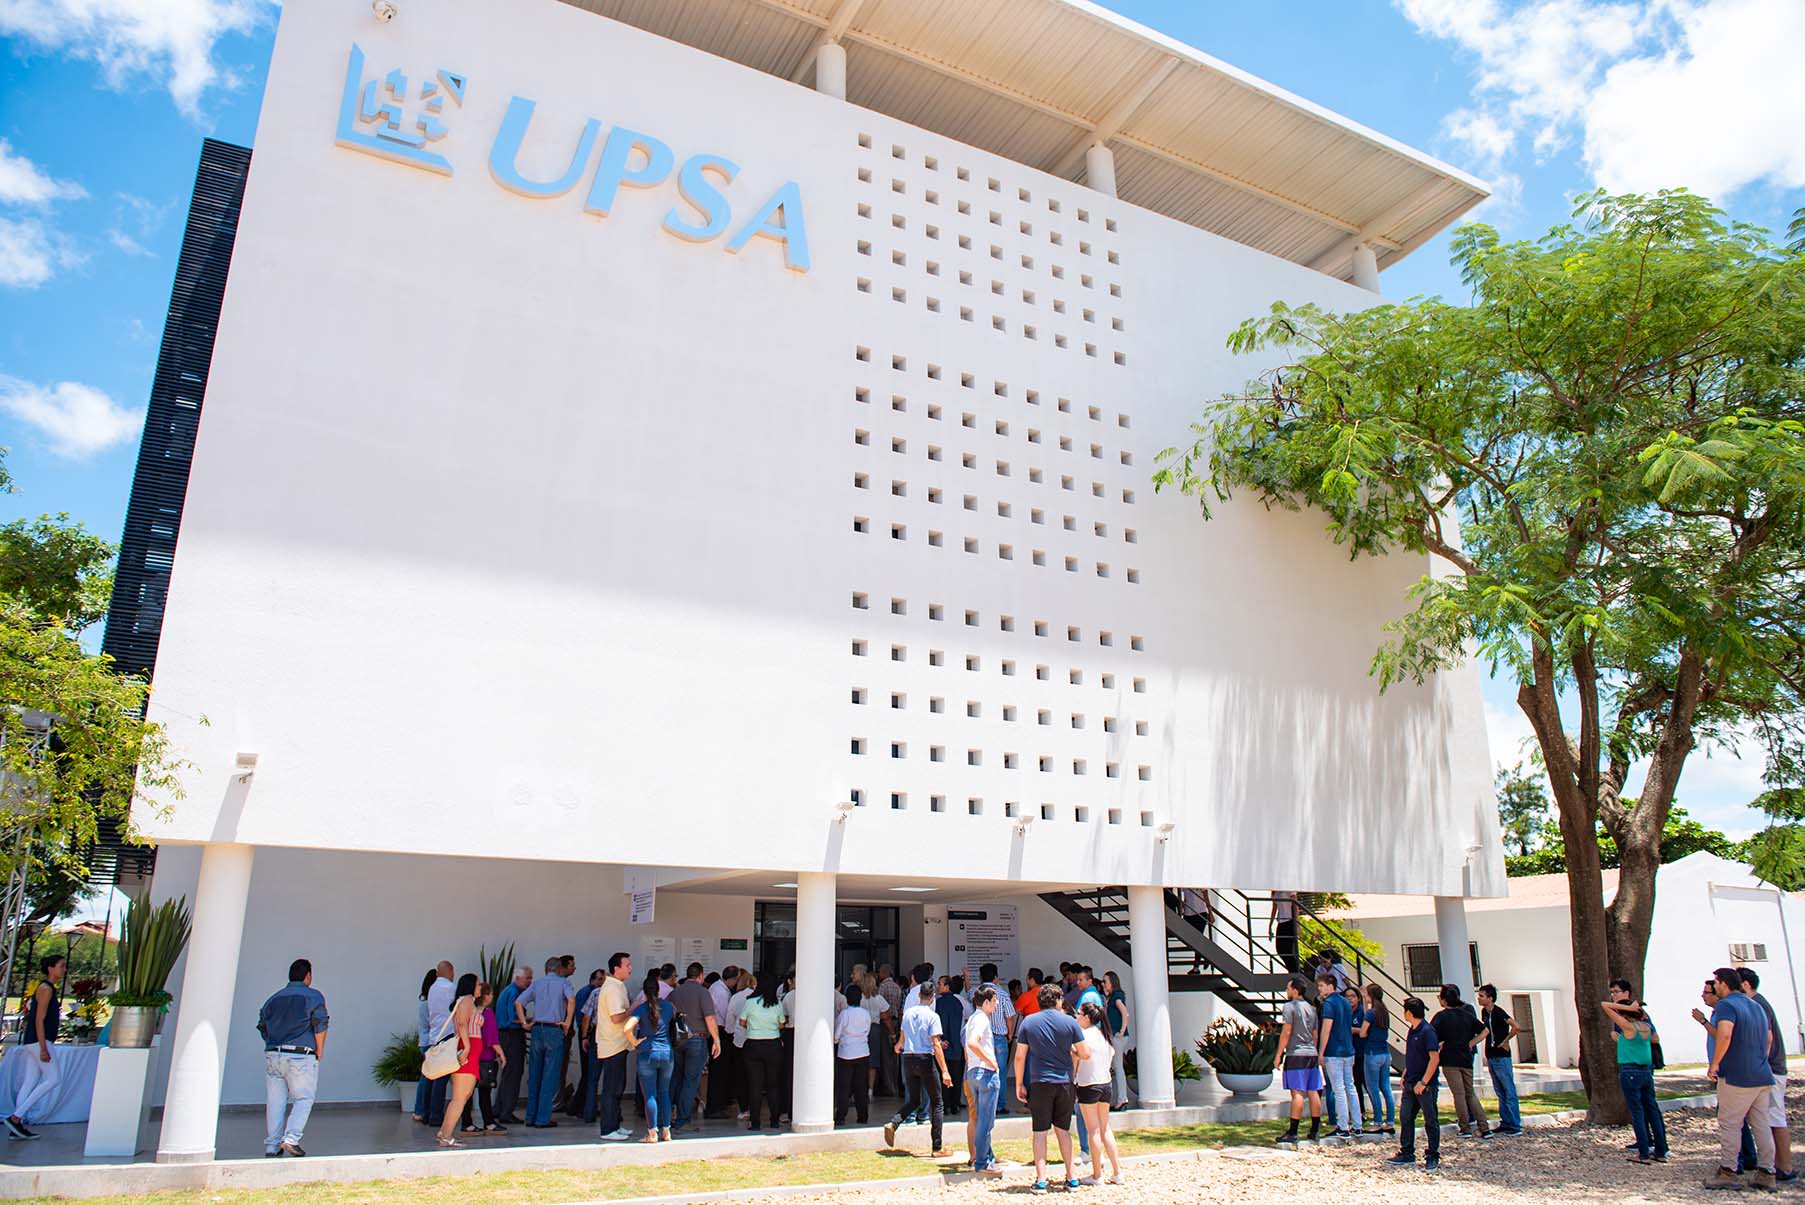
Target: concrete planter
[
  {"x": 1245, "y": 1085},
  {"x": 405, "y": 1089}
]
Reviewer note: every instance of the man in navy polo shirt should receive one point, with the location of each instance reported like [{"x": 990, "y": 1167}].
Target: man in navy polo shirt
[
  {"x": 1422, "y": 1058},
  {"x": 1739, "y": 1068}
]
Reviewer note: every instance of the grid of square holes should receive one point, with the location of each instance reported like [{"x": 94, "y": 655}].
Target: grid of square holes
[
  {"x": 966, "y": 244},
  {"x": 1059, "y": 470},
  {"x": 1046, "y": 681}
]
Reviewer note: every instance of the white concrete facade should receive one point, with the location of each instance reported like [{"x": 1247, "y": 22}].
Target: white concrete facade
[
  {"x": 1704, "y": 905},
  {"x": 527, "y": 539}
]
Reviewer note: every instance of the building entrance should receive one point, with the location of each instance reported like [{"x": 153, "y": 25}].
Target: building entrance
[{"x": 866, "y": 935}]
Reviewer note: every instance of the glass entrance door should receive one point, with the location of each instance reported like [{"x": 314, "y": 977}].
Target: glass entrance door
[{"x": 866, "y": 934}]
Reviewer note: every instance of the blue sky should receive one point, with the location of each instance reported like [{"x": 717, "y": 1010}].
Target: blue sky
[{"x": 103, "y": 104}]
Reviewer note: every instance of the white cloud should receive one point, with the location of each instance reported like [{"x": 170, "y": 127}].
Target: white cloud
[
  {"x": 1721, "y": 109},
  {"x": 127, "y": 243},
  {"x": 26, "y": 257},
  {"x": 76, "y": 420},
  {"x": 23, "y": 182},
  {"x": 171, "y": 42},
  {"x": 1705, "y": 94}
]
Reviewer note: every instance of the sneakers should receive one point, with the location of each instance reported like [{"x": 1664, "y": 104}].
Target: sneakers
[
  {"x": 1431, "y": 1164},
  {"x": 15, "y": 1128},
  {"x": 1288, "y": 1138},
  {"x": 1762, "y": 1180},
  {"x": 1779, "y": 1177},
  {"x": 1039, "y": 1186},
  {"x": 1072, "y": 1186},
  {"x": 1487, "y": 1133},
  {"x": 1723, "y": 1177},
  {"x": 617, "y": 1135},
  {"x": 1344, "y": 1134},
  {"x": 1402, "y": 1160}
]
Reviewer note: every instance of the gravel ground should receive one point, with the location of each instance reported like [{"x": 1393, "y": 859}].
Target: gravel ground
[{"x": 1566, "y": 1162}]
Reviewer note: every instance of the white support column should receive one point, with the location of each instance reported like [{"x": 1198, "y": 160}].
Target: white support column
[
  {"x": 204, "y": 1001},
  {"x": 1366, "y": 268},
  {"x": 812, "y": 1101},
  {"x": 1100, "y": 173},
  {"x": 1451, "y": 938},
  {"x": 1151, "y": 1004},
  {"x": 830, "y": 69}
]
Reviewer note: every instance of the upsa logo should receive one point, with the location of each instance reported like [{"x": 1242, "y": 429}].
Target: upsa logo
[{"x": 378, "y": 116}]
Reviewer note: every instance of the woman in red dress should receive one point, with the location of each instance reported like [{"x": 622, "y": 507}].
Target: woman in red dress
[{"x": 469, "y": 1028}]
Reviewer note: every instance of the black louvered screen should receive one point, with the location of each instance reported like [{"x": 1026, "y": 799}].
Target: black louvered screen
[{"x": 153, "y": 517}]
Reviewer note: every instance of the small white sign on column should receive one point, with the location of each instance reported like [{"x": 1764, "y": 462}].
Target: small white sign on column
[{"x": 116, "y": 1114}]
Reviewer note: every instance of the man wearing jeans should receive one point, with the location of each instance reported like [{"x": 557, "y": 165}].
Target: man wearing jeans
[
  {"x": 693, "y": 1003},
  {"x": 293, "y": 1025},
  {"x": 1422, "y": 1054},
  {"x": 611, "y": 1009},
  {"x": 1002, "y": 1027},
  {"x": 552, "y": 1003},
  {"x": 923, "y": 1065},
  {"x": 1739, "y": 1068},
  {"x": 983, "y": 1075},
  {"x": 1500, "y": 1028},
  {"x": 1336, "y": 1041}
]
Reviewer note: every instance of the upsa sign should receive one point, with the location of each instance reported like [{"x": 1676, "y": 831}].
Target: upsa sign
[{"x": 374, "y": 117}]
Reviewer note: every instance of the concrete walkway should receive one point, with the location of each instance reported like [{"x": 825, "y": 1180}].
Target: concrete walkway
[{"x": 366, "y": 1142}]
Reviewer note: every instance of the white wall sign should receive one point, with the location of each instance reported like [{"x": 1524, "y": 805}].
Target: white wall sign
[
  {"x": 654, "y": 951},
  {"x": 693, "y": 949},
  {"x": 639, "y": 910},
  {"x": 976, "y": 936}
]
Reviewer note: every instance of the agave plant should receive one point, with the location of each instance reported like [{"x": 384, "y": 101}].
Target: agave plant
[
  {"x": 151, "y": 939},
  {"x": 498, "y": 970}
]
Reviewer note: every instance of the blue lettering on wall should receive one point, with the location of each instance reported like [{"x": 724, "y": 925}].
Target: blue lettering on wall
[{"x": 374, "y": 118}]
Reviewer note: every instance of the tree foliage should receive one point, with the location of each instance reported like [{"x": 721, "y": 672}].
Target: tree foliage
[
  {"x": 1603, "y": 453},
  {"x": 75, "y": 748},
  {"x": 1681, "y": 837},
  {"x": 1523, "y": 814}
]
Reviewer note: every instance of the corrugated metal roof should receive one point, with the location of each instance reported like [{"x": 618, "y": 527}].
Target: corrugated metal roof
[{"x": 1038, "y": 80}]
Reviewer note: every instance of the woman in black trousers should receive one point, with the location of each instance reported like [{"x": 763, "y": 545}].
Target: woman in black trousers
[
  {"x": 852, "y": 1050},
  {"x": 761, "y": 1016}
]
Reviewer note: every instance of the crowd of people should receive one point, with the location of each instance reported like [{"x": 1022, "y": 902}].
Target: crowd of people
[{"x": 1334, "y": 1058}]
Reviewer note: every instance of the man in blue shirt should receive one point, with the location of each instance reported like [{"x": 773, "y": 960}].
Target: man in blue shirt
[
  {"x": 1422, "y": 1057},
  {"x": 513, "y": 1045},
  {"x": 1335, "y": 1039},
  {"x": 1048, "y": 1044},
  {"x": 952, "y": 1024},
  {"x": 293, "y": 1025},
  {"x": 1739, "y": 1068},
  {"x": 921, "y": 1046},
  {"x": 582, "y": 1101},
  {"x": 552, "y": 1003}
]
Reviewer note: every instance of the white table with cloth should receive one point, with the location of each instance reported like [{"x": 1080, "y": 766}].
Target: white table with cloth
[{"x": 72, "y": 1095}]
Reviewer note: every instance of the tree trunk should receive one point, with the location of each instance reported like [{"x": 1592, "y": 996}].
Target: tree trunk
[{"x": 1585, "y": 886}]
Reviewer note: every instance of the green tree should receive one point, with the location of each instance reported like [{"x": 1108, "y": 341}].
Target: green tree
[
  {"x": 75, "y": 748},
  {"x": 1613, "y": 425},
  {"x": 1522, "y": 808},
  {"x": 1778, "y": 852},
  {"x": 1681, "y": 836}
]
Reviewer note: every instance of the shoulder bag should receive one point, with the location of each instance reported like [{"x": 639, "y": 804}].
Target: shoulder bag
[{"x": 441, "y": 1058}]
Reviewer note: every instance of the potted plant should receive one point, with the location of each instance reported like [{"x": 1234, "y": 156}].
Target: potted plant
[
  {"x": 398, "y": 1067},
  {"x": 1187, "y": 1078},
  {"x": 150, "y": 942},
  {"x": 1241, "y": 1055},
  {"x": 85, "y": 1019}
]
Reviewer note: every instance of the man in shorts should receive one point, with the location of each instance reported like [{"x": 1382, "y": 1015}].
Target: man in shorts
[
  {"x": 1774, "y": 1103},
  {"x": 1048, "y": 1044},
  {"x": 1298, "y": 1061}
]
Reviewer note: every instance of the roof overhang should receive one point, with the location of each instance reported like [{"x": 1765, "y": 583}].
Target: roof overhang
[{"x": 1039, "y": 81}]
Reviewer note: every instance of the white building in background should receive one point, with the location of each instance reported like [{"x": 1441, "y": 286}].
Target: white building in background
[
  {"x": 622, "y": 466},
  {"x": 1709, "y": 912}
]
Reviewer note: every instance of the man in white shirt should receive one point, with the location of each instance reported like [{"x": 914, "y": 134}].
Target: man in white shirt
[
  {"x": 721, "y": 1069},
  {"x": 983, "y": 1075},
  {"x": 734, "y": 1004},
  {"x": 609, "y": 1002},
  {"x": 439, "y": 999},
  {"x": 1002, "y": 1026}
]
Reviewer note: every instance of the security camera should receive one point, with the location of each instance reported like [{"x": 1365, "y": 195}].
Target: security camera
[
  {"x": 1022, "y": 824},
  {"x": 384, "y": 10}
]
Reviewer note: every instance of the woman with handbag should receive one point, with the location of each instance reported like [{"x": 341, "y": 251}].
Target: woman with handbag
[
  {"x": 488, "y": 1069},
  {"x": 467, "y": 1028},
  {"x": 649, "y": 1035}
]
